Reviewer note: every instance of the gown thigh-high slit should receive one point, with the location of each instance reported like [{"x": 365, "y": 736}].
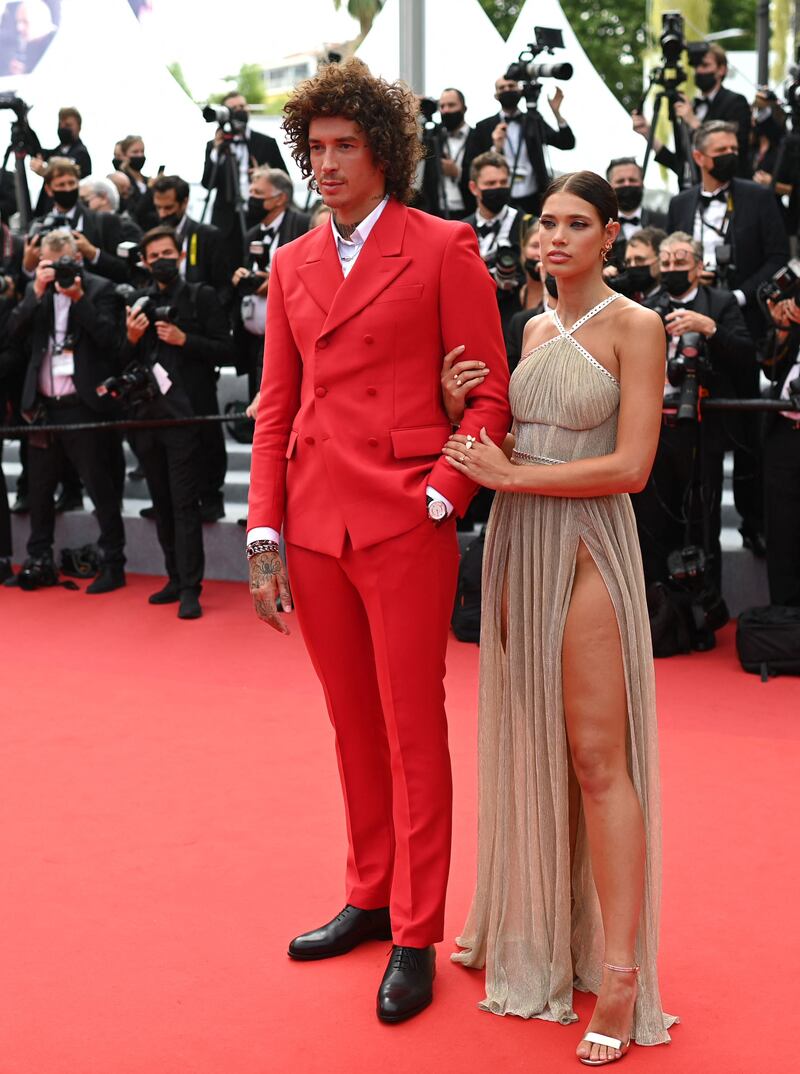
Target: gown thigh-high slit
[{"x": 535, "y": 919}]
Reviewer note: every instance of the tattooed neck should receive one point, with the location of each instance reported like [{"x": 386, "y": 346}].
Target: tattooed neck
[{"x": 346, "y": 230}]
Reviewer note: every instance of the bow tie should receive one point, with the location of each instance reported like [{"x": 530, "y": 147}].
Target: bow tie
[
  {"x": 680, "y": 305},
  {"x": 268, "y": 232},
  {"x": 630, "y": 220},
  {"x": 701, "y": 100},
  {"x": 488, "y": 229},
  {"x": 719, "y": 195}
]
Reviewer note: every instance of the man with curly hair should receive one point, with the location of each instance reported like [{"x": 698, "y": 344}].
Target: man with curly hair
[{"x": 347, "y": 458}]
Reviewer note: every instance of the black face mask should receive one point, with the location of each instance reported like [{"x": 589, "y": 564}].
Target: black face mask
[
  {"x": 66, "y": 200},
  {"x": 640, "y": 278},
  {"x": 705, "y": 81},
  {"x": 509, "y": 99},
  {"x": 724, "y": 167},
  {"x": 495, "y": 198},
  {"x": 675, "y": 281},
  {"x": 551, "y": 283},
  {"x": 165, "y": 269},
  {"x": 172, "y": 220},
  {"x": 136, "y": 163},
  {"x": 66, "y": 136},
  {"x": 629, "y": 197},
  {"x": 116, "y": 163},
  {"x": 451, "y": 121},
  {"x": 532, "y": 267},
  {"x": 255, "y": 211}
]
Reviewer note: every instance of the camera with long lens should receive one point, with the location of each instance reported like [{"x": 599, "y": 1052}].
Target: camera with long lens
[
  {"x": 527, "y": 71},
  {"x": 688, "y": 572},
  {"x": 23, "y": 138},
  {"x": 151, "y": 309},
  {"x": 503, "y": 264},
  {"x": 688, "y": 371},
  {"x": 232, "y": 122},
  {"x": 136, "y": 384},
  {"x": 67, "y": 270},
  {"x": 785, "y": 283},
  {"x": 669, "y": 74}
]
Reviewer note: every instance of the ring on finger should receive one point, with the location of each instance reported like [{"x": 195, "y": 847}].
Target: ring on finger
[{"x": 463, "y": 458}]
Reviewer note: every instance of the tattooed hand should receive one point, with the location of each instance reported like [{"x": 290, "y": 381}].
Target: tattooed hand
[{"x": 267, "y": 582}]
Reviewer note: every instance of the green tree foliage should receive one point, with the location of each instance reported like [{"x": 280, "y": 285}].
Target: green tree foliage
[
  {"x": 734, "y": 15},
  {"x": 177, "y": 73},
  {"x": 250, "y": 82},
  {"x": 503, "y": 14},
  {"x": 364, "y": 11}
]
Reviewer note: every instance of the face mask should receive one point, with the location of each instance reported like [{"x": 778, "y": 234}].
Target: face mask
[
  {"x": 66, "y": 199},
  {"x": 532, "y": 267},
  {"x": 509, "y": 99},
  {"x": 451, "y": 121},
  {"x": 65, "y": 136},
  {"x": 165, "y": 269},
  {"x": 724, "y": 167},
  {"x": 640, "y": 277},
  {"x": 675, "y": 281},
  {"x": 172, "y": 220},
  {"x": 705, "y": 81},
  {"x": 116, "y": 163},
  {"x": 551, "y": 283},
  {"x": 495, "y": 198},
  {"x": 255, "y": 211},
  {"x": 629, "y": 197},
  {"x": 136, "y": 163}
]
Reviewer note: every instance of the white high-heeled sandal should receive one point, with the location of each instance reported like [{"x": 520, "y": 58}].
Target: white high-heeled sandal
[{"x": 600, "y": 1038}]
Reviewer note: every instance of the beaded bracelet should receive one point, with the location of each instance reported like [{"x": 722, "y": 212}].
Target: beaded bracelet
[{"x": 256, "y": 548}]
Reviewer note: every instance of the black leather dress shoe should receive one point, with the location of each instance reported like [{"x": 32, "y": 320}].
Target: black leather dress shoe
[
  {"x": 20, "y": 506},
  {"x": 69, "y": 501},
  {"x": 170, "y": 594},
  {"x": 148, "y": 513},
  {"x": 347, "y": 930},
  {"x": 190, "y": 605},
  {"x": 407, "y": 985},
  {"x": 107, "y": 580},
  {"x": 754, "y": 541}
]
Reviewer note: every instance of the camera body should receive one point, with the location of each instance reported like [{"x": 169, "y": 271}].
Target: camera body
[
  {"x": 670, "y": 74},
  {"x": 67, "y": 270},
  {"x": 230, "y": 122},
  {"x": 259, "y": 259},
  {"x": 527, "y": 71},
  {"x": 784, "y": 284},
  {"x": 503, "y": 265},
  {"x": 688, "y": 371},
  {"x": 43, "y": 227},
  {"x": 149, "y": 306},
  {"x": 135, "y": 385}
]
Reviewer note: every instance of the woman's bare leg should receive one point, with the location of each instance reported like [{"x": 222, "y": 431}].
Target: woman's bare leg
[{"x": 595, "y": 709}]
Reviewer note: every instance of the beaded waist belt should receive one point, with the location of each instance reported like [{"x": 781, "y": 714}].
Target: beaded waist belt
[{"x": 523, "y": 457}]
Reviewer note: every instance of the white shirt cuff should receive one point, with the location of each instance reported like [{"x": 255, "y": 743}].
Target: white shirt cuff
[
  {"x": 263, "y": 533},
  {"x": 434, "y": 495},
  {"x": 739, "y": 296}
]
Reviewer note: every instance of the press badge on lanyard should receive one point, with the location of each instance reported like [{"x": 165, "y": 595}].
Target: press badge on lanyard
[{"x": 64, "y": 359}]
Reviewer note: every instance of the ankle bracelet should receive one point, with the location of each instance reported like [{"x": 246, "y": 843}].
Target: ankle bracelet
[{"x": 621, "y": 969}]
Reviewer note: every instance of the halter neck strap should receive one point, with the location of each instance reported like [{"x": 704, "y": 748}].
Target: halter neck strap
[{"x": 586, "y": 317}]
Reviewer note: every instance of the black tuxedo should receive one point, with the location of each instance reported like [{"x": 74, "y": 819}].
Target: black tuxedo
[
  {"x": 263, "y": 151},
  {"x": 507, "y": 300},
  {"x": 782, "y": 490},
  {"x": 205, "y": 263},
  {"x": 660, "y": 507},
  {"x": 78, "y": 154},
  {"x": 732, "y": 108},
  {"x": 94, "y": 327},
  {"x": 103, "y": 230},
  {"x": 431, "y": 196},
  {"x": 537, "y": 134},
  {"x": 10, "y": 379},
  {"x": 648, "y": 218},
  {"x": 140, "y": 205}
]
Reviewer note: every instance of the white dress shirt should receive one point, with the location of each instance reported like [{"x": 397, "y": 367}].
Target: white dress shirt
[
  {"x": 54, "y": 383},
  {"x": 701, "y": 107},
  {"x": 241, "y": 150},
  {"x": 711, "y": 229},
  {"x": 523, "y": 181},
  {"x": 631, "y": 223},
  {"x": 254, "y": 307},
  {"x": 348, "y": 251},
  {"x": 456, "y": 143}
]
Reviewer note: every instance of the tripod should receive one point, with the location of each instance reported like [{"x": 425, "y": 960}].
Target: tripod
[
  {"x": 23, "y": 143},
  {"x": 231, "y": 188},
  {"x": 669, "y": 92}
]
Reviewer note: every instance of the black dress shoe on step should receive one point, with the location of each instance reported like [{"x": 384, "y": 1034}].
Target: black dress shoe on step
[
  {"x": 407, "y": 985},
  {"x": 69, "y": 501},
  {"x": 108, "y": 579},
  {"x": 347, "y": 930},
  {"x": 20, "y": 506},
  {"x": 148, "y": 513},
  {"x": 170, "y": 594}
]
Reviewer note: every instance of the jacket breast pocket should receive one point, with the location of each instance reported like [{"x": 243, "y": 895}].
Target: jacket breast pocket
[
  {"x": 424, "y": 440},
  {"x": 291, "y": 445},
  {"x": 405, "y": 293}
]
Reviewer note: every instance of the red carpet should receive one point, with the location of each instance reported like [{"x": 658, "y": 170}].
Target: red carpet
[{"x": 171, "y": 817}]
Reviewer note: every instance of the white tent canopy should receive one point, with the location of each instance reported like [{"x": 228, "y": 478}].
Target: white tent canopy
[
  {"x": 602, "y": 126},
  {"x": 462, "y": 49},
  {"x": 99, "y": 63}
]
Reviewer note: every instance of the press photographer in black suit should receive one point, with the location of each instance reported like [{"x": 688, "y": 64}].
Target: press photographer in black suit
[
  {"x": 10, "y": 380},
  {"x": 273, "y": 222},
  {"x": 624, "y": 174},
  {"x": 70, "y": 146},
  {"x": 521, "y": 137},
  {"x": 68, "y": 330},
  {"x": 182, "y": 338},
  {"x": 249, "y": 149},
  {"x": 782, "y": 463},
  {"x": 743, "y": 219},
  {"x": 102, "y": 196},
  {"x": 687, "y": 305},
  {"x": 454, "y": 145},
  {"x": 714, "y": 103},
  {"x": 97, "y": 234}
]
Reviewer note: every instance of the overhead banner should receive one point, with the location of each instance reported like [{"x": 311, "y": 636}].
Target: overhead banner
[{"x": 27, "y": 29}]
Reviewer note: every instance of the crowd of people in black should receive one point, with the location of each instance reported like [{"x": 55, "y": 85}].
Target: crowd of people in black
[{"x": 115, "y": 301}]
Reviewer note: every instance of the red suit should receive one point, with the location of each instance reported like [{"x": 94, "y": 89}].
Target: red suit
[{"x": 349, "y": 433}]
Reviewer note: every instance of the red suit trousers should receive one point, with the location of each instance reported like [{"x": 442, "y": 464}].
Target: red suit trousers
[{"x": 376, "y": 622}]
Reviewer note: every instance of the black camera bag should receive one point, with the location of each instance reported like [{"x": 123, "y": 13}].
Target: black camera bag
[
  {"x": 466, "y": 620},
  {"x": 83, "y": 562},
  {"x": 768, "y": 640}
]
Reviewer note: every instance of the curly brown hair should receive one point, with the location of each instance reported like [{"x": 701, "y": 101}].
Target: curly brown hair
[{"x": 386, "y": 113}]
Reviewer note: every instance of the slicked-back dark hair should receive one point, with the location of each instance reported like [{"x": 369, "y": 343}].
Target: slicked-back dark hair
[
  {"x": 164, "y": 183},
  {"x": 589, "y": 186}
]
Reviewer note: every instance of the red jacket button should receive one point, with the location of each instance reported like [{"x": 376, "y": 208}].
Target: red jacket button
[
  {"x": 309, "y": 439},
  {"x": 372, "y": 391},
  {"x": 369, "y": 339},
  {"x": 372, "y": 442},
  {"x": 322, "y": 344},
  {"x": 322, "y": 392}
]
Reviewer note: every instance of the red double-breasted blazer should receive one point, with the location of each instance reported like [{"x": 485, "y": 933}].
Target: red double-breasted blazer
[{"x": 351, "y": 422}]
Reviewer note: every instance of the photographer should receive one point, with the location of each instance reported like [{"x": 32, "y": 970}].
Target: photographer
[
  {"x": 67, "y": 331},
  {"x": 272, "y": 222},
  {"x": 102, "y": 196},
  {"x": 70, "y": 147},
  {"x": 10, "y": 380},
  {"x": 624, "y": 174},
  {"x": 521, "y": 137},
  {"x": 231, "y": 156},
  {"x": 689, "y": 306},
  {"x": 639, "y": 276},
  {"x": 714, "y": 103},
  {"x": 453, "y": 147},
  {"x": 497, "y": 225},
  {"x": 140, "y": 199},
  {"x": 179, "y": 335},
  {"x": 97, "y": 234},
  {"x": 744, "y": 242},
  {"x": 782, "y": 462}
]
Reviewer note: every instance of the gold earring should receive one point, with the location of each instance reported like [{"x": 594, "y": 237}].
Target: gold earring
[{"x": 606, "y": 251}]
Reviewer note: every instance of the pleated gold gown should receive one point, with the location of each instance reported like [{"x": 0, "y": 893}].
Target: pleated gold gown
[{"x": 529, "y": 915}]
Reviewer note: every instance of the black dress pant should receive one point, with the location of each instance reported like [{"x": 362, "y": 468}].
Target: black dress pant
[
  {"x": 748, "y": 488},
  {"x": 211, "y": 455},
  {"x": 782, "y": 511},
  {"x": 661, "y": 508},
  {"x": 88, "y": 453},
  {"x": 169, "y": 460},
  {"x": 5, "y": 514}
]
